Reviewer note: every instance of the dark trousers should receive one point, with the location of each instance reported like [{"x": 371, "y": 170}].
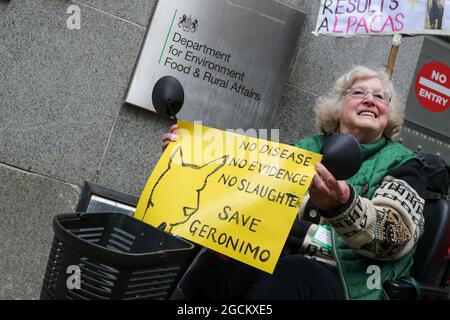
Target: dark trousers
[{"x": 295, "y": 277}]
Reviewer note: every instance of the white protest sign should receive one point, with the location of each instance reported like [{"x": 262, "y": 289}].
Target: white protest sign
[{"x": 383, "y": 17}]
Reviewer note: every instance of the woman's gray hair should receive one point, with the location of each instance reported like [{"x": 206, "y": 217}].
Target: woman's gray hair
[{"x": 328, "y": 106}]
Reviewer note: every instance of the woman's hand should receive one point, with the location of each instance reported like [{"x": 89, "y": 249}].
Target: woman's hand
[
  {"x": 169, "y": 137},
  {"x": 326, "y": 192}
]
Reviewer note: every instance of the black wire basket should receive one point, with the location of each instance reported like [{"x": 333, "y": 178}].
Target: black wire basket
[{"x": 115, "y": 257}]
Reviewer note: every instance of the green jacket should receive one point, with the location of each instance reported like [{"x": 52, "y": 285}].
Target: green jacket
[{"x": 379, "y": 158}]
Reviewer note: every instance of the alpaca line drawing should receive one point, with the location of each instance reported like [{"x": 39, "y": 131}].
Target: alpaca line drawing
[{"x": 186, "y": 200}]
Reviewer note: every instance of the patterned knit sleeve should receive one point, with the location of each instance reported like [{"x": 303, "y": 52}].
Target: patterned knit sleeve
[{"x": 387, "y": 226}]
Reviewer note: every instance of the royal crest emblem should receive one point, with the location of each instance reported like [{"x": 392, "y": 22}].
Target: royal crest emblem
[{"x": 187, "y": 23}]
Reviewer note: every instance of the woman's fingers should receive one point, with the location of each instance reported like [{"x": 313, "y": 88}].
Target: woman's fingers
[
  {"x": 319, "y": 186},
  {"x": 165, "y": 144},
  {"x": 169, "y": 136},
  {"x": 173, "y": 128},
  {"x": 338, "y": 191},
  {"x": 325, "y": 190},
  {"x": 333, "y": 185},
  {"x": 319, "y": 193},
  {"x": 166, "y": 137},
  {"x": 327, "y": 177}
]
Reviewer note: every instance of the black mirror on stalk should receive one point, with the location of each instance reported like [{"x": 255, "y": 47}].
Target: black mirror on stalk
[
  {"x": 342, "y": 155},
  {"x": 168, "y": 97}
]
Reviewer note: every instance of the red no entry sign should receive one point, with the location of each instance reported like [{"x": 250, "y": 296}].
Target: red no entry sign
[{"x": 433, "y": 86}]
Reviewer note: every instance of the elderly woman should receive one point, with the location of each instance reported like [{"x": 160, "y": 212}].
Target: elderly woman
[{"x": 353, "y": 235}]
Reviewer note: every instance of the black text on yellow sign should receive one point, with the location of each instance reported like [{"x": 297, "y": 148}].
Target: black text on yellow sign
[{"x": 234, "y": 194}]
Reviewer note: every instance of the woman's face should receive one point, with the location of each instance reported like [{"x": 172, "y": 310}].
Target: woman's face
[{"x": 364, "y": 117}]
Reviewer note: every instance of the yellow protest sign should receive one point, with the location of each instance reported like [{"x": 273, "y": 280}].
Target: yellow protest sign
[{"x": 232, "y": 193}]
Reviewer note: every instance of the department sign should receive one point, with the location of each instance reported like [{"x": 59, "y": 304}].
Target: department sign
[{"x": 231, "y": 57}]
